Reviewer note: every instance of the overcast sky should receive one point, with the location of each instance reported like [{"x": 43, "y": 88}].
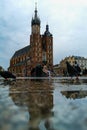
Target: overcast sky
[{"x": 67, "y": 21}]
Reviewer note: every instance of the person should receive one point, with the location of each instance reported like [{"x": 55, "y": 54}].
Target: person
[{"x": 45, "y": 70}]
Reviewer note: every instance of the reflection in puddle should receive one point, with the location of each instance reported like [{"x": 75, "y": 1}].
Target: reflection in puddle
[
  {"x": 74, "y": 94},
  {"x": 43, "y": 105},
  {"x": 38, "y": 98}
]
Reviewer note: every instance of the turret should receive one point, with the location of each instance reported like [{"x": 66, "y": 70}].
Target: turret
[{"x": 47, "y": 33}]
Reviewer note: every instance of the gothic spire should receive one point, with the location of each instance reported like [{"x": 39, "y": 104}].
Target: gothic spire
[
  {"x": 36, "y": 9},
  {"x": 35, "y": 19}
]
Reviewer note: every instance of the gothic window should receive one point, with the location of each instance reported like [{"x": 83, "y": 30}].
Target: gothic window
[
  {"x": 44, "y": 45},
  {"x": 44, "y": 56},
  {"x": 50, "y": 47},
  {"x": 36, "y": 49},
  {"x": 36, "y": 54},
  {"x": 50, "y": 40},
  {"x": 39, "y": 49},
  {"x": 40, "y": 54},
  {"x": 19, "y": 59}
]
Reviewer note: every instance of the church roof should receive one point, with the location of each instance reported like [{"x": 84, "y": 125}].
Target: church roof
[{"x": 21, "y": 51}]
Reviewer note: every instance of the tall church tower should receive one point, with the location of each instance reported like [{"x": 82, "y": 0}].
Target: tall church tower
[
  {"x": 41, "y": 45},
  {"x": 35, "y": 40}
]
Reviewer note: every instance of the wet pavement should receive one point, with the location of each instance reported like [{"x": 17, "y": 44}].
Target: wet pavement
[{"x": 43, "y": 105}]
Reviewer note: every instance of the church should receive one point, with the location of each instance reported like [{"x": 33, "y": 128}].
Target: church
[{"x": 39, "y": 50}]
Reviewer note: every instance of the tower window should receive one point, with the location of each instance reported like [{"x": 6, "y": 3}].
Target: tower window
[{"x": 44, "y": 56}]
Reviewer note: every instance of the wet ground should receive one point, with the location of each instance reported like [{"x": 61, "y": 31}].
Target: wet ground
[{"x": 43, "y": 105}]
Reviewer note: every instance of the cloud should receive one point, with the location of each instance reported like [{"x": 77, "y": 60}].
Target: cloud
[{"x": 67, "y": 21}]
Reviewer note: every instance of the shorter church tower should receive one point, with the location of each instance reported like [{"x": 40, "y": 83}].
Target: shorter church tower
[{"x": 47, "y": 47}]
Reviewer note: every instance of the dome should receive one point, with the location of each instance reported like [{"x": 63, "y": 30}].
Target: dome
[
  {"x": 47, "y": 33},
  {"x": 35, "y": 20}
]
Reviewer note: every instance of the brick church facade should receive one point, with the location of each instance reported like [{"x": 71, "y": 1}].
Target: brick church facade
[{"x": 39, "y": 51}]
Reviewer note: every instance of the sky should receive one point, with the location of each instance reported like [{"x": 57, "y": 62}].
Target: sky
[{"x": 67, "y": 20}]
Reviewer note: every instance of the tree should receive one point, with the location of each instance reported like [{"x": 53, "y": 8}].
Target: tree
[{"x": 1, "y": 68}]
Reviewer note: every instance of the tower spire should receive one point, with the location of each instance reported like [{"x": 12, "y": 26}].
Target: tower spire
[
  {"x": 35, "y": 19},
  {"x": 47, "y": 27},
  {"x": 35, "y": 5},
  {"x": 47, "y": 33},
  {"x": 35, "y": 9}
]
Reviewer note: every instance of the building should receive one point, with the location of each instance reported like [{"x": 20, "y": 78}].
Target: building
[
  {"x": 82, "y": 62},
  {"x": 1, "y": 68},
  {"x": 39, "y": 51},
  {"x": 61, "y": 68}
]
